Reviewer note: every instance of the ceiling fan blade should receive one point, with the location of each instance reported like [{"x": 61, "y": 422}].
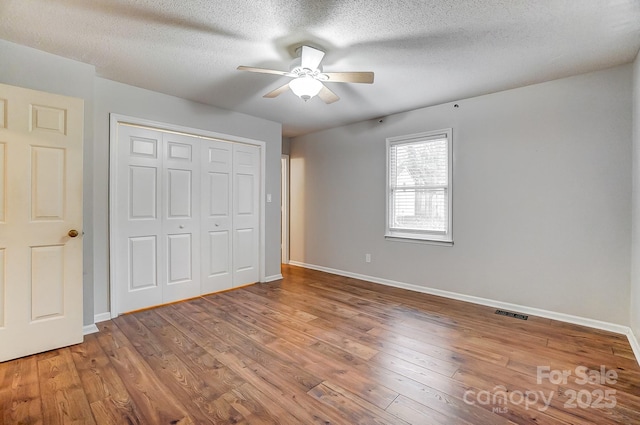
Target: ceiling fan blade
[
  {"x": 262, "y": 70},
  {"x": 310, "y": 58},
  {"x": 327, "y": 95},
  {"x": 277, "y": 92},
  {"x": 350, "y": 77}
]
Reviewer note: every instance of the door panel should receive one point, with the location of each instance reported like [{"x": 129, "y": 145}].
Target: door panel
[
  {"x": 143, "y": 253},
  {"x": 179, "y": 151},
  {"x": 218, "y": 195},
  {"x": 216, "y": 215},
  {"x": 2, "y": 286},
  {"x": 179, "y": 195},
  {"x": 219, "y": 253},
  {"x": 47, "y": 281},
  {"x": 3, "y": 169},
  {"x": 181, "y": 220},
  {"x": 180, "y": 258},
  {"x": 144, "y": 147},
  {"x": 48, "y": 119},
  {"x": 138, "y": 228},
  {"x": 244, "y": 243},
  {"x": 3, "y": 113},
  {"x": 245, "y": 194},
  {"x": 48, "y": 183},
  {"x": 41, "y": 302},
  {"x": 246, "y": 220},
  {"x": 143, "y": 201}
]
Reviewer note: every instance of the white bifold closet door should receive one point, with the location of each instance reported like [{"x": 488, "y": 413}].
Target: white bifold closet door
[
  {"x": 188, "y": 217},
  {"x": 230, "y": 216}
]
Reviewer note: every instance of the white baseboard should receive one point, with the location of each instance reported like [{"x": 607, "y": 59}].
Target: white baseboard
[
  {"x": 89, "y": 329},
  {"x": 268, "y": 279},
  {"x": 102, "y": 317},
  {"x": 635, "y": 346},
  {"x": 577, "y": 320}
]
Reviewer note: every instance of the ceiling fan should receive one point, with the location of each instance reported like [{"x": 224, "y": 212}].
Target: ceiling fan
[{"x": 308, "y": 77}]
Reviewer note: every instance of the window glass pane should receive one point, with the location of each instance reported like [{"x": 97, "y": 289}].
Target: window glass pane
[
  {"x": 420, "y": 164},
  {"x": 419, "y": 209}
]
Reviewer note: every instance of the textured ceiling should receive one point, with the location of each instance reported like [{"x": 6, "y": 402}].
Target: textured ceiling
[{"x": 422, "y": 52}]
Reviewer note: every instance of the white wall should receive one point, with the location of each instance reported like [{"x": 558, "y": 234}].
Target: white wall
[
  {"x": 542, "y": 198},
  {"x": 113, "y": 97},
  {"x": 635, "y": 250},
  {"x": 30, "y": 68}
]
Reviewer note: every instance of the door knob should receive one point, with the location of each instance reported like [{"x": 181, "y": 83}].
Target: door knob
[{"x": 73, "y": 233}]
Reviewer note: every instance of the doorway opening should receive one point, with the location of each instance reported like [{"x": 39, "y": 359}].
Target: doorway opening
[{"x": 284, "y": 208}]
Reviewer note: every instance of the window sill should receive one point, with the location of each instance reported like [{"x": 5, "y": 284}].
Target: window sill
[{"x": 413, "y": 239}]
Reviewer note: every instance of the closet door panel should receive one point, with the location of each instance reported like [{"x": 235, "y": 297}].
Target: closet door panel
[
  {"x": 181, "y": 217},
  {"x": 216, "y": 165},
  {"x": 138, "y": 234},
  {"x": 246, "y": 217}
]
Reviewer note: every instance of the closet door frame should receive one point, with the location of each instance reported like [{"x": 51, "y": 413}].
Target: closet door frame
[{"x": 115, "y": 121}]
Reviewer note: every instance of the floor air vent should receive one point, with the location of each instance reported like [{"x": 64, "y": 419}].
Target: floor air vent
[{"x": 511, "y": 314}]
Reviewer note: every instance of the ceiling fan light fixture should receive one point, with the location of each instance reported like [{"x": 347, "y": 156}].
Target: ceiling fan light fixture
[
  {"x": 307, "y": 77},
  {"x": 305, "y": 87}
]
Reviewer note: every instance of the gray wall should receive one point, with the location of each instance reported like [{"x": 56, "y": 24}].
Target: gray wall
[
  {"x": 29, "y": 68},
  {"x": 635, "y": 259},
  {"x": 113, "y": 97},
  {"x": 542, "y": 198},
  {"x": 286, "y": 145}
]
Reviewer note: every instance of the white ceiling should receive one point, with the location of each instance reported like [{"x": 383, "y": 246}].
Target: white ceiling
[{"x": 423, "y": 52}]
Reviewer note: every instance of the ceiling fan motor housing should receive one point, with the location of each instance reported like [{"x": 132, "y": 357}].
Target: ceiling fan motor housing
[{"x": 296, "y": 70}]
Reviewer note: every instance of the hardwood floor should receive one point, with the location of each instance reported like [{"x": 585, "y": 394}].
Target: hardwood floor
[{"x": 317, "y": 348}]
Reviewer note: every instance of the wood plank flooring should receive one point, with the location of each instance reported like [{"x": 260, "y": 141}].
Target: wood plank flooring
[{"x": 316, "y": 348}]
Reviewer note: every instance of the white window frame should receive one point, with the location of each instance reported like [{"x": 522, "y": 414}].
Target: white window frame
[{"x": 412, "y": 235}]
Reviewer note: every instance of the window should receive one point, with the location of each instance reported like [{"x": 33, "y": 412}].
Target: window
[{"x": 419, "y": 186}]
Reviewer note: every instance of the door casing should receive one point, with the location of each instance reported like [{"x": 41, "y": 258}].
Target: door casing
[{"x": 284, "y": 208}]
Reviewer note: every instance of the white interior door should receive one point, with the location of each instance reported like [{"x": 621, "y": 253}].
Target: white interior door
[
  {"x": 217, "y": 178},
  {"x": 246, "y": 217},
  {"x": 40, "y": 221}
]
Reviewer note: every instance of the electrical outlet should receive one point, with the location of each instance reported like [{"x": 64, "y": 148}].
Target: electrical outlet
[{"x": 367, "y": 258}]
